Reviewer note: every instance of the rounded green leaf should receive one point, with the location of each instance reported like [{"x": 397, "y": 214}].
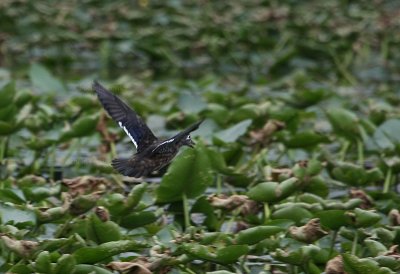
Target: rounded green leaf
[
  {"x": 138, "y": 219},
  {"x": 65, "y": 264},
  {"x": 90, "y": 255},
  {"x": 256, "y": 234},
  {"x": 344, "y": 123},
  {"x": 190, "y": 173},
  {"x": 297, "y": 214},
  {"x": 270, "y": 192},
  {"x": 102, "y": 232}
]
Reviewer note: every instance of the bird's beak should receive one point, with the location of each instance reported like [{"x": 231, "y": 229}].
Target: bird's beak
[{"x": 191, "y": 143}]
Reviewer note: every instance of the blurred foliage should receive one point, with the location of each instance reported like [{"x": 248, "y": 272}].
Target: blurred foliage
[{"x": 296, "y": 166}]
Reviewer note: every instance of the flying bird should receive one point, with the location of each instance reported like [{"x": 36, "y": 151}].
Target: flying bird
[{"x": 151, "y": 153}]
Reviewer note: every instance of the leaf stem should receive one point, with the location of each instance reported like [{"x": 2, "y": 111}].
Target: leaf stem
[
  {"x": 354, "y": 246},
  {"x": 333, "y": 241},
  {"x": 388, "y": 180},
  {"x": 185, "y": 204},
  {"x": 360, "y": 150},
  {"x": 344, "y": 149},
  {"x": 267, "y": 212}
]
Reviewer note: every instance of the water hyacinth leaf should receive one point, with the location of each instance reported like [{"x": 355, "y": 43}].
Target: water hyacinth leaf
[
  {"x": 84, "y": 126},
  {"x": 7, "y": 94},
  {"x": 270, "y": 192},
  {"x": 13, "y": 215},
  {"x": 226, "y": 255},
  {"x": 12, "y": 196},
  {"x": 230, "y": 254},
  {"x": 7, "y": 128},
  {"x": 388, "y": 261},
  {"x": 387, "y": 136},
  {"x": 39, "y": 193},
  {"x": 355, "y": 265},
  {"x": 305, "y": 139},
  {"x": 23, "y": 97},
  {"x": 217, "y": 112},
  {"x": 102, "y": 231},
  {"x": 344, "y": 122},
  {"x": 41, "y": 78},
  {"x": 363, "y": 218},
  {"x": 294, "y": 213},
  {"x": 8, "y": 113},
  {"x": 355, "y": 175},
  {"x": 247, "y": 111},
  {"x": 256, "y": 234},
  {"x": 375, "y": 248},
  {"x": 65, "y": 264},
  {"x": 138, "y": 219},
  {"x": 94, "y": 254},
  {"x": 43, "y": 262},
  {"x": 135, "y": 196},
  {"x": 308, "y": 97},
  {"x": 190, "y": 173},
  {"x": 332, "y": 219},
  {"x": 296, "y": 257},
  {"x": 233, "y": 133},
  {"x": 317, "y": 185}
]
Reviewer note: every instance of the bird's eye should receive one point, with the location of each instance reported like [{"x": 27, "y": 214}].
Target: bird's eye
[{"x": 188, "y": 138}]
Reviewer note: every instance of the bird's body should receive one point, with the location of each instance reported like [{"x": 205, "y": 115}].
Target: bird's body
[{"x": 152, "y": 154}]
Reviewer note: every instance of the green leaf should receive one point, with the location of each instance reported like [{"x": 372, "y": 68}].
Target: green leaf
[
  {"x": 7, "y": 94},
  {"x": 332, "y": 219},
  {"x": 233, "y": 133},
  {"x": 189, "y": 173},
  {"x": 65, "y": 264},
  {"x": 270, "y": 192},
  {"x": 226, "y": 255},
  {"x": 354, "y": 265},
  {"x": 299, "y": 256},
  {"x": 256, "y": 234},
  {"x": 12, "y": 215},
  {"x": 375, "y": 248},
  {"x": 387, "y": 136},
  {"x": 297, "y": 214},
  {"x": 84, "y": 126},
  {"x": 355, "y": 175},
  {"x": 305, "y": 139},
  {"x": 231, "y": 254},
  {"x": 43, "y": 262},
  {"x": 138, "y": 219},
  {"x": 364, "y": 218},
  {"x": 44, "y": 80},
  {"x": 102, "y": 232},
  {"x": 344, "y": 123},
  {"x": 90, "y": 255}
]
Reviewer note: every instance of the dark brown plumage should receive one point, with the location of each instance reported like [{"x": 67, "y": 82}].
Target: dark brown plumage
[{"x": 152, "y": 153}]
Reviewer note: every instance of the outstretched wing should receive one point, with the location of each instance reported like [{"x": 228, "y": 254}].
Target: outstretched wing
[{"x": 125, "y": 117}]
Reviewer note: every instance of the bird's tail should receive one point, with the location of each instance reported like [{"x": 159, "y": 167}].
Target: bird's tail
[{"x": 123, "y": 166}]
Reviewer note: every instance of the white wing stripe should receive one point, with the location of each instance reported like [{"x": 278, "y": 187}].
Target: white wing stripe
[
  {"x": 127, "y": 133},
  {"x": 165, "y": 142}
]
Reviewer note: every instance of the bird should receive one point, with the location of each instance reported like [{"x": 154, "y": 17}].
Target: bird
[{"x": 152, "y": 154}]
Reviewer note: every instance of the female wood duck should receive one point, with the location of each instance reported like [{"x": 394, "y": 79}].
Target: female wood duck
[{"x": 151, "y": 153}]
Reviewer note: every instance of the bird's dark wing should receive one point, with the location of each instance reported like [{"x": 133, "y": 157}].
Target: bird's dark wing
[
  {"x": 125, "y": 117},
  {"x": 163, "y": 146}
]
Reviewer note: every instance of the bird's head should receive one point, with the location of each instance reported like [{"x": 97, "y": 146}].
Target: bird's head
[{"x": 189, "y": 142}]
